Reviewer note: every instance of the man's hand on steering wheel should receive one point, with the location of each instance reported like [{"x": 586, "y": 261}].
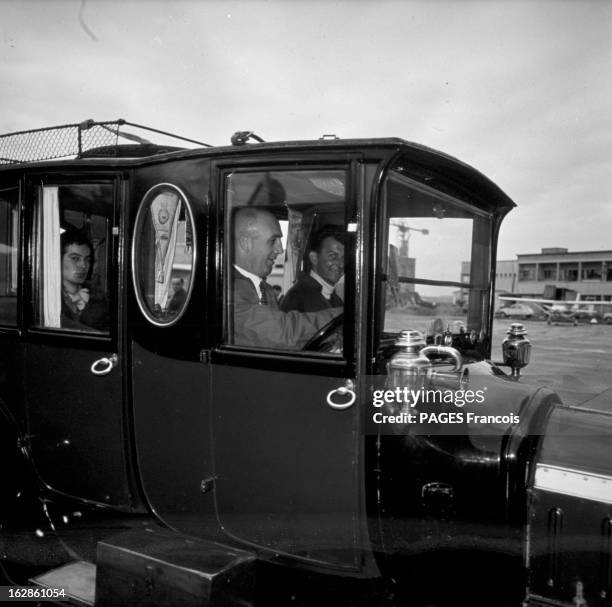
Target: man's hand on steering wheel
[{"x": 327, "y": 337}]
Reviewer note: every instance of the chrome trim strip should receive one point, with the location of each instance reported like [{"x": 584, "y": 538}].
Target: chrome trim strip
[{"x": 577, "y": 483}]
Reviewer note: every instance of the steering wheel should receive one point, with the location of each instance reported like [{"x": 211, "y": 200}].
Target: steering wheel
[{"x": 323, "y": 340}]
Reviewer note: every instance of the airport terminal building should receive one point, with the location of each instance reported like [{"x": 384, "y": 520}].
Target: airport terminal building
[{"x": 557, "y": 273}]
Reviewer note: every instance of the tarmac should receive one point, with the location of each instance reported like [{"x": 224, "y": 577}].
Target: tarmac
[{"x": 574, "y": 361}]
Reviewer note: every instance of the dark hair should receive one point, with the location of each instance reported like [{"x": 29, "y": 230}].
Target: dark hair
[
  {"x": 327, "y": 231},
  {"x": 73, "y": 236}
]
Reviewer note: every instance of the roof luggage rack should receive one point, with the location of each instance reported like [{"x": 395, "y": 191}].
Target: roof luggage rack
[{"x": 86, "y": 139}]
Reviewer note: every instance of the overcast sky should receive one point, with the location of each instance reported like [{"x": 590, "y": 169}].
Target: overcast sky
[{"x": 520, "y": 90}]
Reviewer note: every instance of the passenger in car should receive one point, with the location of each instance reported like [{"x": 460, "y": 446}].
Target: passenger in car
[
  {"x": 257, "y": 318},
  {"x": 179, "y": 295},
  {"x": 315, "y": 290},
  {"x": 81, "y": 310},
  {"x": 278, "y": 291}
]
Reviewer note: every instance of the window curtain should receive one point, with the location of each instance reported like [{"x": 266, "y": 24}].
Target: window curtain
[{"x": 50, "y": 284}]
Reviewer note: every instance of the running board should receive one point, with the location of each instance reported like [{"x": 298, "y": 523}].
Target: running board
[
  {"x": 77, "y": 580},
  {"x": 155, "y": 567}
]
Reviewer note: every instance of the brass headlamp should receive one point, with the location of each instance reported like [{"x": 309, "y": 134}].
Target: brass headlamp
[
  {"x": 411, "y": 368},
  {"x": 516, "y": 348}
]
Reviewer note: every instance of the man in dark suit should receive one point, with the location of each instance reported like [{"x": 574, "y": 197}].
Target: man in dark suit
[
  {"x": 315, "y": 290},
  {"x": 179, "y": 295},
  {"x": 254, "y": 312}
]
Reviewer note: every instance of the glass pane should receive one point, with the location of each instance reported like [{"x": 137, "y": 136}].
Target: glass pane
[
  {"x": 438, "y": 261},
  {"x": 164, "y": 255},
  {"x": 285, "y": 259},
  {"x": 427, "y": 243},
  {"x": 9, "y": 254},
  {"x": 72, "y": 247}
]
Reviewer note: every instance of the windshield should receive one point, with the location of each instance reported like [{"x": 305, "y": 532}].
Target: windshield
[{"x": 437, "y": 252}]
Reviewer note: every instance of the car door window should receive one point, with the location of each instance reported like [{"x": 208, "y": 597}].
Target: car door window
[
  {"x": 9, "y": 253},
  {"x": 286, "y": 235},
  {"x": 72, "y": 238}
]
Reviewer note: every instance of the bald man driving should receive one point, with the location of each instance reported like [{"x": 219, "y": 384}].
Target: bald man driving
[{"x": 257, "y": 319}]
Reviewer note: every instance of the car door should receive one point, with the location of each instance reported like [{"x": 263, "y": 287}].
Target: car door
[
  {"x": 12, "y": 418},
  {"x": 73, "y": 362},
  {"x": 285, "y": 423}
]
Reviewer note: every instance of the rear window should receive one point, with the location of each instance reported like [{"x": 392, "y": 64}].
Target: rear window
[{"x": 163, "y": 254}]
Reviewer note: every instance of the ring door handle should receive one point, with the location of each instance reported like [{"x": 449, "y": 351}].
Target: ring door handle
[
  {"x": 348, "y": 390},
  {"x": 103, "y": 366}
]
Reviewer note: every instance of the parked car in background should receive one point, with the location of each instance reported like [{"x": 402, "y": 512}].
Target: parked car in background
[
  {"x": 561, "y": 316},
  {"x": 587, "y": 313},
  {"x": 607, "y": 318},
  {"x": 584, "y": 315},
  {"x": 515, "y": 310}
]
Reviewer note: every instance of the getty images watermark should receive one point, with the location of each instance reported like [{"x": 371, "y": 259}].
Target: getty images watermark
[{"x": 430, "y": 407}]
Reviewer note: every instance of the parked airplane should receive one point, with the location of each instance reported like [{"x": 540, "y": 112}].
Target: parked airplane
[
  {"x": 571, "y": 311},
  {"x": 559, "y": 304}
]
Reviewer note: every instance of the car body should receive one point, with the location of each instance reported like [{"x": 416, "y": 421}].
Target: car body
[
  {"x": 163, "y": 458},
  {"x": 515, "y": 310}
]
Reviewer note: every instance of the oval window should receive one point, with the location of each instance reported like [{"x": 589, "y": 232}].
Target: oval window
[{"x": 163, "y": 254}]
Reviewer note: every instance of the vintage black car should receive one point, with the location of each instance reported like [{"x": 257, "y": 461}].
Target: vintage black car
[{"x": 165, "y": 443}]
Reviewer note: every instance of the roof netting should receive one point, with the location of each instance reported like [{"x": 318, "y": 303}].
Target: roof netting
[{"x": 68, "y": 140}]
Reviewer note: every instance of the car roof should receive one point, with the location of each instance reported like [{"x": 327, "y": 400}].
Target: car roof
[{"x": 430, "y": 166}]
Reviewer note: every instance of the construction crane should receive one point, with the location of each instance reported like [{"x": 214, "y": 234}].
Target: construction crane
[{"x": 404, "y": 231}]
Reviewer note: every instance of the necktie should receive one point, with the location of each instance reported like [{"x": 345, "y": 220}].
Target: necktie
[{"x": 263, "y": 300}]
